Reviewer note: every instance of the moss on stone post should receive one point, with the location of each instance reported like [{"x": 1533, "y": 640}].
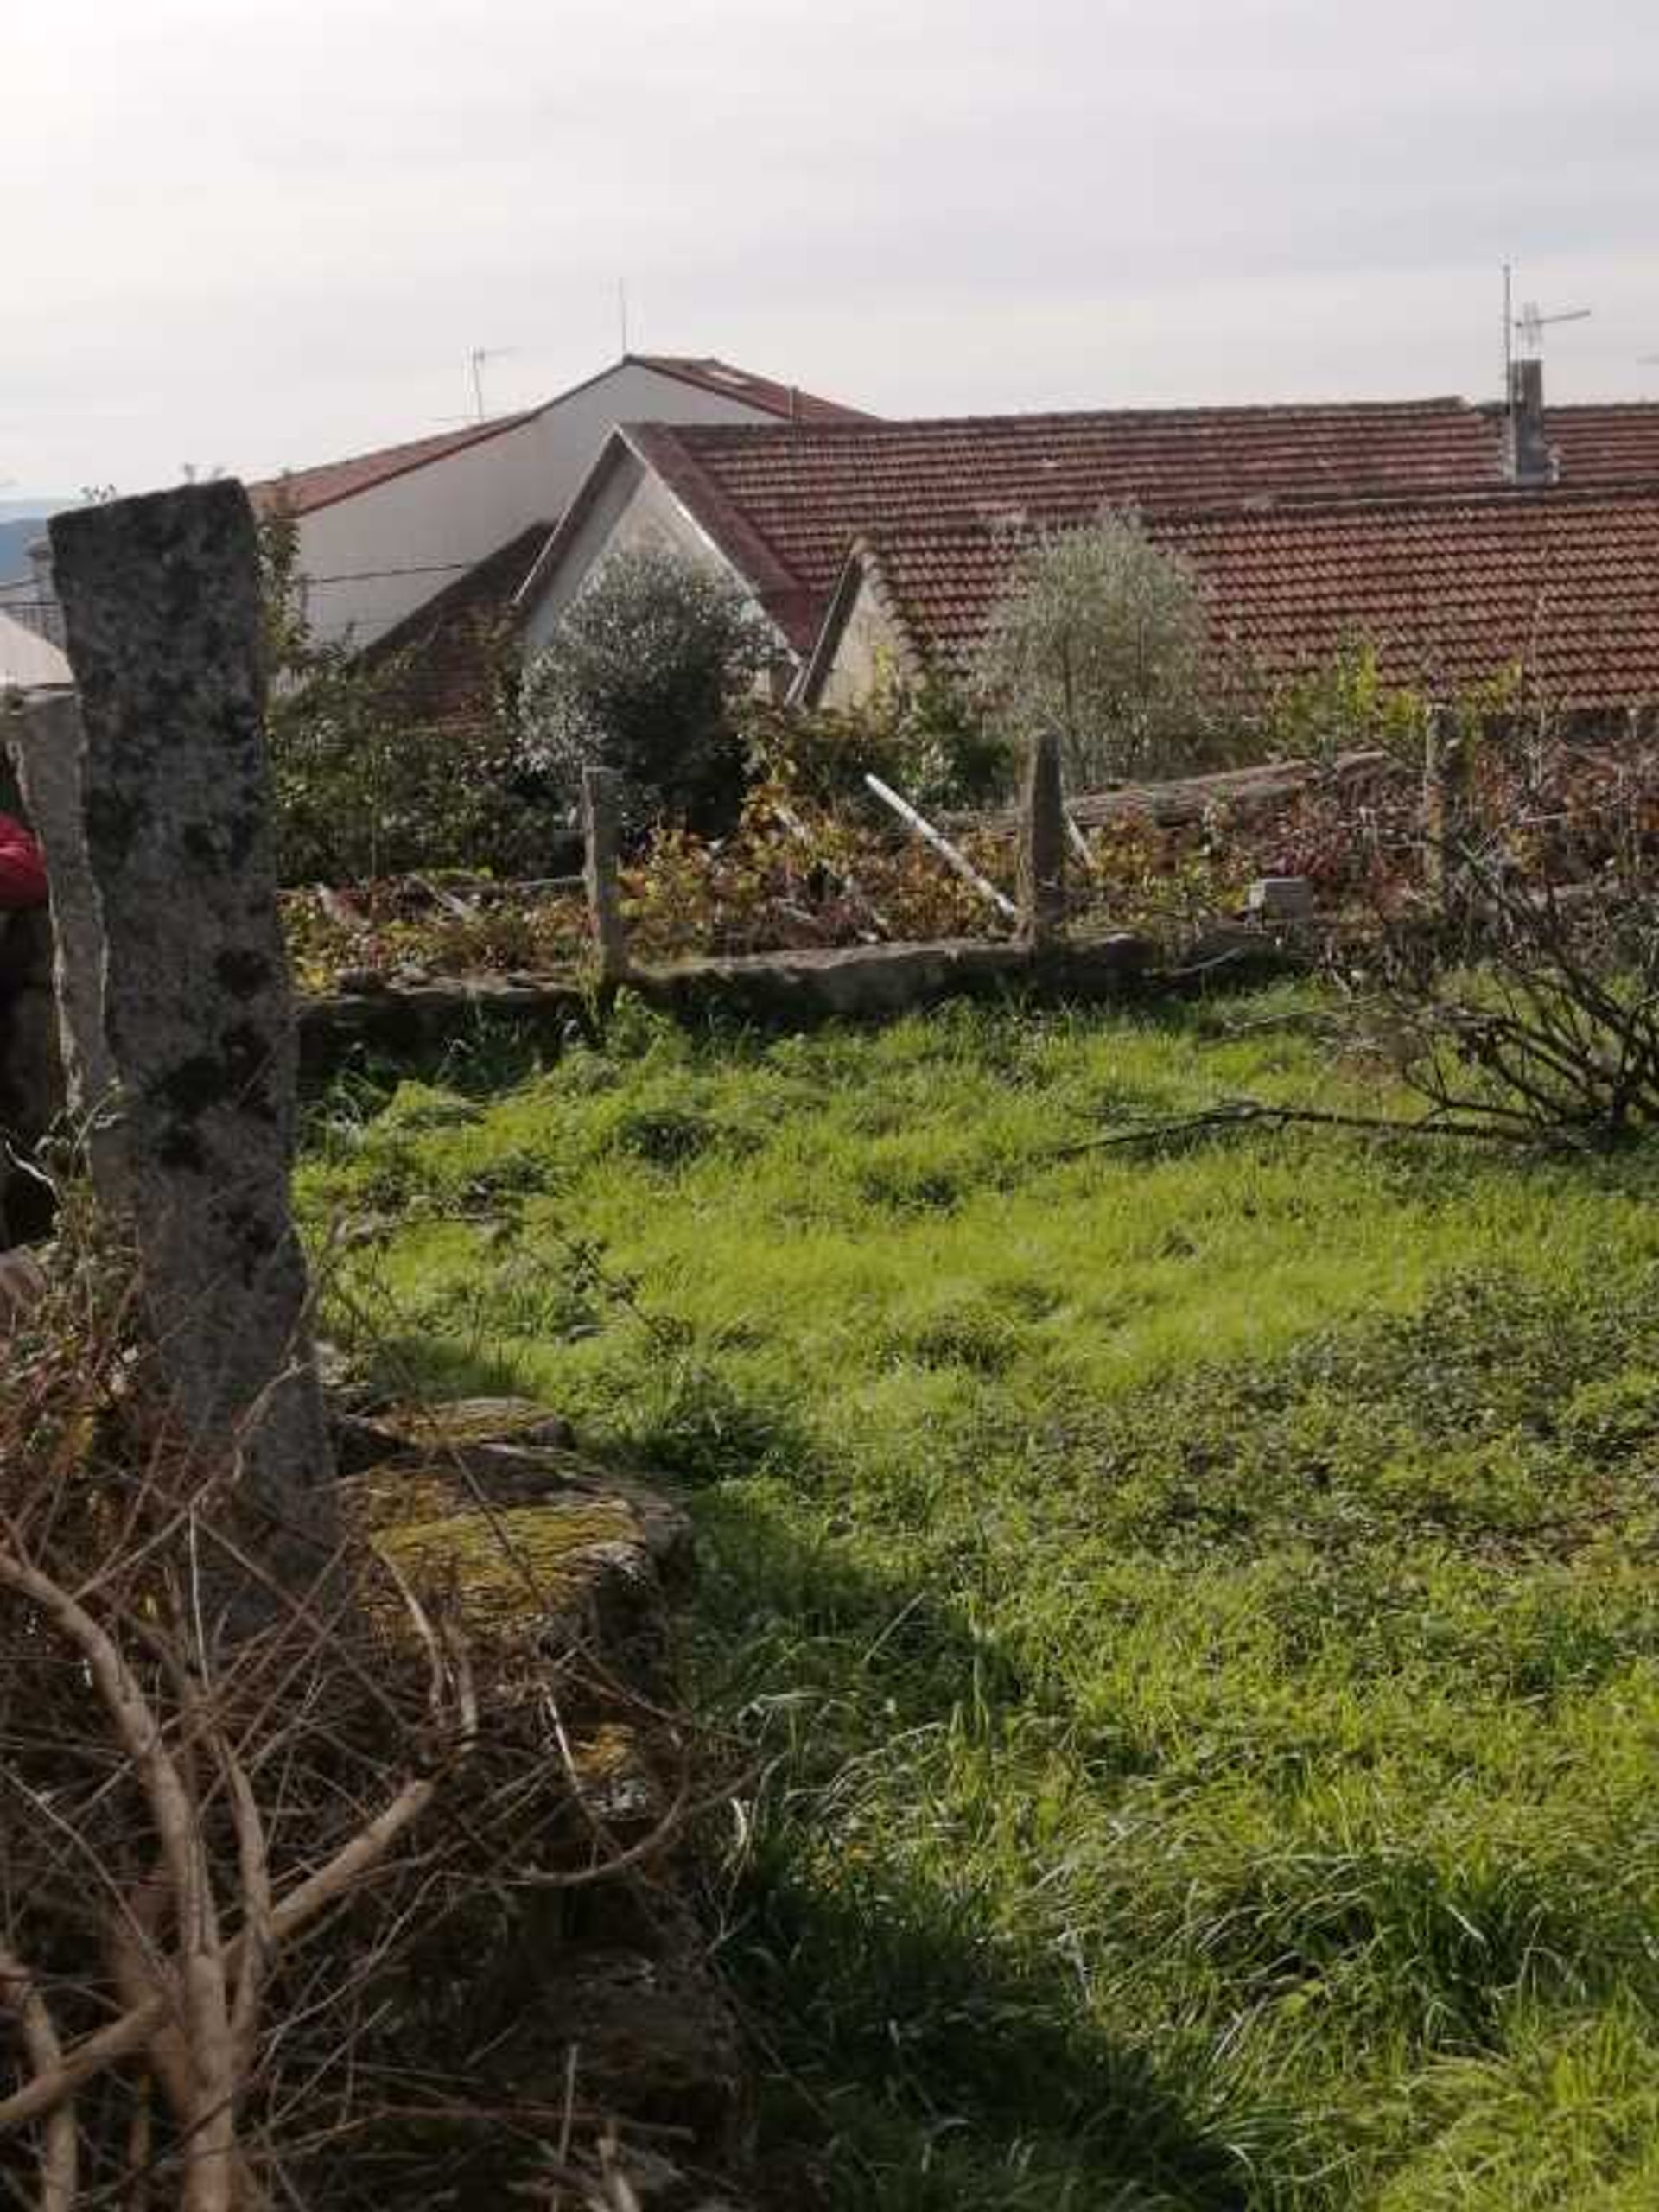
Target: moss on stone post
[{"x": 162, "y": 615}]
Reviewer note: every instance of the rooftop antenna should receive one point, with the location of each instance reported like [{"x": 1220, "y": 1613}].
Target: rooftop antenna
[
  {"x": 475, "y": 361},
  {"x": 1524, "y": 334},
  {"x": 622, "y": 313}
]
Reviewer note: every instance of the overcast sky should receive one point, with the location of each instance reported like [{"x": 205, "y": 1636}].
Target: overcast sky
[{"x": 261, "y": 234}]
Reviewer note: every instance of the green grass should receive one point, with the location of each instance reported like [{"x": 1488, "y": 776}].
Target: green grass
[{"x": 1194, "y": 1613}]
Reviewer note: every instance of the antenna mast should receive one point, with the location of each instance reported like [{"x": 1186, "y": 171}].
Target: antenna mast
[{"x": 475, "y": 361}]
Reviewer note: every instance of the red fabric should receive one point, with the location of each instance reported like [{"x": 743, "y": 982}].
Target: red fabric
[{"x": 22, "y": 872}]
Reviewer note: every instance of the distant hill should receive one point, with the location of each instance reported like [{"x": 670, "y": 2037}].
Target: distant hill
[{"x": 19, "y": 527}]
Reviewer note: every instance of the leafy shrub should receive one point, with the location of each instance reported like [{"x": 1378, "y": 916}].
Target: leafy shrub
[
  {"x": 642, "y": 676},
  {"x": 926, "y": 739},
  {"x": 1102, "y": 636},
  {"x": 365, "y": 785}
]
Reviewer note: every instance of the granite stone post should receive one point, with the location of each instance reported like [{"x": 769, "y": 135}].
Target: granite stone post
[
  {"x": 601, "y": 822},
  {"x": 176, "y": 874},
  {"x": 1042, "y": 856},
  {"x": 48, "y": 751}
]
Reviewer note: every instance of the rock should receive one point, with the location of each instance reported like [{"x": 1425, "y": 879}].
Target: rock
[
  {"x": 478, "y": 1420},
  {"x": 1281, "y": 899},
  {"x": 367, "y": 981},
  {"x": 164, "y": 614},
  {"x": 545, "y": 1556},
  {"x": 656, "y": 2037}
]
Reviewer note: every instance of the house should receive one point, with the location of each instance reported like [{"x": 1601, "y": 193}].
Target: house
[
  {"x": 30, "y": 662},
  {"x": 1448, "y": 589},
  {"x": 1458, "y": 537},
  {"x": 383, "y": 534}
]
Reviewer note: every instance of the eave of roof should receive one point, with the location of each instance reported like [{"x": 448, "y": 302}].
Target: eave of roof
[
  {"x": 308, "y": 491},
  {"x": 1450, "y": 588}
]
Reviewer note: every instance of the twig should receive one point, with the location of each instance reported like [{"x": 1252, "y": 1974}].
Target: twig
[
  {"x": 61, "y": 2153},
  {"x": 1248, "y": 1113}
]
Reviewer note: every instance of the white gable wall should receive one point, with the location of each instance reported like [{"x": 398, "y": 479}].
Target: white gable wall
[
  {"x": 364, "y": 556},
  {"x": 633, "y": 509},
  {"x": 869, "y": 654}
]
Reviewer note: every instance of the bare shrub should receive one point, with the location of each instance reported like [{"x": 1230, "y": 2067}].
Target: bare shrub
[
  {"x": 1515, "y": 981},
  {"x": 249, "y": 1891}
]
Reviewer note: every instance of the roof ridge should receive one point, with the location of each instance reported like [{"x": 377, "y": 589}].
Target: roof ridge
[
  {"x": 885, "y": 426},
  {"x": 1434, "y": 496}
]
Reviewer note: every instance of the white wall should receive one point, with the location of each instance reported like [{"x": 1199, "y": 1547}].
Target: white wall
[
  {"x": 634, "y": 508},
  {"x": 28, "y": 662},
  {"x": 868, "y": 653},
  {"x": 451, "y": 514}
]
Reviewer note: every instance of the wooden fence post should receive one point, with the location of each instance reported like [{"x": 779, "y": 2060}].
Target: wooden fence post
[
  {"x": 602, "y": 818},
  {"x": 1444, "y": 818},
  {"x": 1043, "y": 839}
]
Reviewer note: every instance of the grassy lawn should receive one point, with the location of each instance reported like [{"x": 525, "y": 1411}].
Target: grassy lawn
[{"x": 1195, "y": 1612}]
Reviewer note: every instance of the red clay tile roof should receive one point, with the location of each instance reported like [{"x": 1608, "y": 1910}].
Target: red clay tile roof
[
  {"x": 448, "y": 652},
  {"x": 787, "y": 504},
  {"x": 302, "y": 490},
  {"x": 1449, "y": 589},
  {"x": 787, "y": 401}
]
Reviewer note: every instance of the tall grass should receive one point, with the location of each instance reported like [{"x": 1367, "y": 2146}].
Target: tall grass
[{"x": 1195, "y": 1613}]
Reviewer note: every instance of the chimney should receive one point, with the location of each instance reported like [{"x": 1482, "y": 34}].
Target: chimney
[{"x": 1527, "y": 457}]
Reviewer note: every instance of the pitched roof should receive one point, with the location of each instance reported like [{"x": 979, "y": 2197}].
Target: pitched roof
[
  {"x": 1449, "y": 589},
  {"x": 303, "y": 491},
  {"x": 785, "y": 505},
  {"x": 788, "y": 402},
  {"x": 447, "y": 651}
]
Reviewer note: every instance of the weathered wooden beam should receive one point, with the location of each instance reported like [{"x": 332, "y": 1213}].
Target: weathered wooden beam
[
  {"x": 959, "y": 862},
  {"x": 1043, "y": 841}
]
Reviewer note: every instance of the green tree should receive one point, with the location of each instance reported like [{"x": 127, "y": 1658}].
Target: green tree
[
  {"x": 644, "y": 675},
  {"x": 1102, "y": 636},
  {"x": 365, "y": 785}
]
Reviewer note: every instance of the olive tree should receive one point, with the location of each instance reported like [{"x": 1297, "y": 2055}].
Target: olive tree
[
  {"x": 1101, "y": 635},
  {"x": 643, "y": 675}
]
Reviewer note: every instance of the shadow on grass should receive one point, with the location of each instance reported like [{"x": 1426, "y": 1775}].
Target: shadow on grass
[
  {"x": 909, "y": 2061},
  {"x": 434, "y": 1367},
  {"x": 913, "y": 2057}
]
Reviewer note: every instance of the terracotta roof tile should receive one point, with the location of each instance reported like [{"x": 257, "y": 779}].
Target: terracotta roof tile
[
  {"x": 787, "y": 504},
  {"x": 1449, "y": 590}
]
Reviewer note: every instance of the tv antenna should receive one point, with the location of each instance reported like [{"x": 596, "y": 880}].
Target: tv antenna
[
  {"x": 1524, "y": 334},
  {"x": 475, "y": 361}
]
